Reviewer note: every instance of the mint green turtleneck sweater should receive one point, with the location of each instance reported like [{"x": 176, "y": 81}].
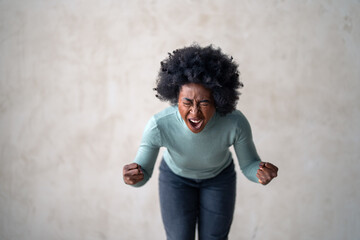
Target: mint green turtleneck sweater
[{"x": 197, "y": 155}]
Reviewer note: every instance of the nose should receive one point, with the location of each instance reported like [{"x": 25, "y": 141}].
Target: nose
[{"x": 194, "y": 109}]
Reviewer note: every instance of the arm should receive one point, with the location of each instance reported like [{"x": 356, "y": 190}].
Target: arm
[
  {"x": 139, "y": 172},
  {"x": 249, "y": 160}
]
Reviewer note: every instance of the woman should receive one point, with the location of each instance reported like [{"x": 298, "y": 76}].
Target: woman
[{"x": 197, "y": 181}]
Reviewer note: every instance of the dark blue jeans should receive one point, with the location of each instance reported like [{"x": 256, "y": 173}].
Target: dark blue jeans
[{"x": 209, "y": 203}]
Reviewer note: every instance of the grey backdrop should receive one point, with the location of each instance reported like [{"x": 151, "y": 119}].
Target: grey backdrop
[{"x": 76, "y": 81}]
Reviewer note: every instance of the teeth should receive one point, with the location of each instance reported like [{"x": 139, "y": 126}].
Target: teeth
[{"x": 195, "y": 121}]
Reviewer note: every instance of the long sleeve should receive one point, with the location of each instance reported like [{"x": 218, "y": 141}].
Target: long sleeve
[
  {"x": 148, "y": 150},
  {"x": 245, "y": 151}
]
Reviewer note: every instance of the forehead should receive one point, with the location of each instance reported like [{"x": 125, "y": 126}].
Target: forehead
[{"x": 194, "y": 90}]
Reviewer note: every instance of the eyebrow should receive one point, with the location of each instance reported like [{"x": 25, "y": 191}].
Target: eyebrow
[{"x": 190, "y": 100}]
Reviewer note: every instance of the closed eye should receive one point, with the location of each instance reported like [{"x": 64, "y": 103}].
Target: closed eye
[{"x": 204, "y": 103}]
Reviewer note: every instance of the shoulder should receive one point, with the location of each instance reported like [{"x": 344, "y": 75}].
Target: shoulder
[
  {"x": 243, "y": 129},
  {"x": 162, "y": 119},
  {"x": 169, "y": 111},
  {"x": 166, "y": 115},
  {"x": 237, "y": 121},
  {"x": 236, "y": 114},
  {"x": 235, "y": 117},
  {"x": 161, "y": 123},
  {"x": 157, "y": 123}
]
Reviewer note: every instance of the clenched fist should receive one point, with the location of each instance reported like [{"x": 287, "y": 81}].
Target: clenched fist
[
  {"x": 266, "y": 172},
  {"x": 132, "y": 173}
]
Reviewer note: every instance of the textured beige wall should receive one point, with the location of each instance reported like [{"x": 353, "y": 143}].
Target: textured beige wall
[{"x": 75, "y": 94}]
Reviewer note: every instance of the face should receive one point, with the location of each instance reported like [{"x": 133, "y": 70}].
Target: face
[{"x": 196, "y": 106}]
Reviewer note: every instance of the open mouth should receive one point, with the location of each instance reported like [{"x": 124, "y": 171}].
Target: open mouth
[{"x": 195, "y": 123}]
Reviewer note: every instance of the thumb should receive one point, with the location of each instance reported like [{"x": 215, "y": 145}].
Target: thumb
[{"x": 261, "y": 164}]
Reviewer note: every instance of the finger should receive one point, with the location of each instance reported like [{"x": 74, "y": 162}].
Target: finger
[
  {"x": 133, "y": 178},
  {"x": 262, "y": 181},
  {"x": 271, "y": 166},
  {"x": 261, "y": 177},
  {"x": 132, "y": 181},
  {"x": 265, "y": 172},
  {"x": 131, "y": 166},
  {"x": 133, "y": 172},
  {"x": 261, "y": 164},
  {"x": 264, "y": 175},
  {"x": 271, "y": 172}
]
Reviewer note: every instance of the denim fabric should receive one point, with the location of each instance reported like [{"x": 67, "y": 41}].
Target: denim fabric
[{"x": 207, "y": 203}]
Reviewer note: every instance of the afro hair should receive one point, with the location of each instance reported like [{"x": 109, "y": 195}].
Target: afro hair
[{"x": 207, "y": 66}]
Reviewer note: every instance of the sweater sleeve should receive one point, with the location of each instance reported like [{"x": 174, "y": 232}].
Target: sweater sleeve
[
  {"x": 245, "y": 150},
  {"x": 148, "y": 150}
]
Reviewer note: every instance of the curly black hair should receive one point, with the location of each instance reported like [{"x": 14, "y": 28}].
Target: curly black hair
[{"x": 203, "y": 65}]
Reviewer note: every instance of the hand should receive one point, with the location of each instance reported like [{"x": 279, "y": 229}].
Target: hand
[
  {"x": 132, "y": 173},
  {"x": 266, "y": 172}
]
